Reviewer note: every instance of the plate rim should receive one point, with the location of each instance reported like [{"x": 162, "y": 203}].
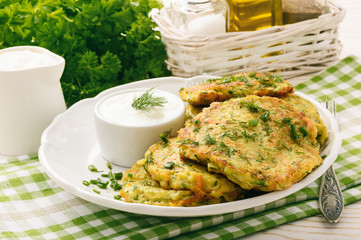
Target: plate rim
[{"x": 166, "y": 211}]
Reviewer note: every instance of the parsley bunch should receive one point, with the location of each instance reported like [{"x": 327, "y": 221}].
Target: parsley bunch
[{"x": 105, "y": 43}]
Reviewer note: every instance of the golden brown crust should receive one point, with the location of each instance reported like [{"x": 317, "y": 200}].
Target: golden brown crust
[
  {"x": 222, "y": 89},
  {"x": 139, "y": 187},
  {"x": 165, "y": 166},
  {"x": 311, "y": 112},
  {"x": 236, "y": 139}
]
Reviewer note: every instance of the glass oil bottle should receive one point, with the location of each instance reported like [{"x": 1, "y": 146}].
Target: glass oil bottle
[{"x": 250, "y": 15}]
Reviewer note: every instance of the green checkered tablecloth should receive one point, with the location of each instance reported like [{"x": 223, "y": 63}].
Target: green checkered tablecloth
[{"x": 33, "y": 206}]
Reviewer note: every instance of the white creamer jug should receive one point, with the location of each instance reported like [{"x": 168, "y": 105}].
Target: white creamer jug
[{"x": 30, "y": 96}]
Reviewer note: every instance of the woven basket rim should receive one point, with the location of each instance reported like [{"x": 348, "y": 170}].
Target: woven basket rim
[{"x": 170, "y": 32}]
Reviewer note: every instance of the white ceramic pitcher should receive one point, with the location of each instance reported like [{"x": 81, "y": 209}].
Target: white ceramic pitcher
[{"x": 30, "y": 97}]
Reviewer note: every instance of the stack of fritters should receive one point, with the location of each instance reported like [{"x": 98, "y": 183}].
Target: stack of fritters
[
  {"x": 140, "y": 187},
  {"x": 162, "y": 178},
  {"x": 246, "y": 132},
  {"x": 259, "y": 143}
]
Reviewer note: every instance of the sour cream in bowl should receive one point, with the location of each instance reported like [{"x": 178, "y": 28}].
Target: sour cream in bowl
[{"x": 128, "y": 122}]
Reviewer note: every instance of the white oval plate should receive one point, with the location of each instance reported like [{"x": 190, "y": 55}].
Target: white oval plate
[{"x": 69, "y": 145}]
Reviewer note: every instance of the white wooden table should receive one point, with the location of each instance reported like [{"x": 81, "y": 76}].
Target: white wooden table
[{"x": 316, "y": 227}]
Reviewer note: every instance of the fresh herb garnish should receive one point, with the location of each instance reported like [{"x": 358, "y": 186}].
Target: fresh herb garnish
[
  {"x": 303, "y": 131},
  {"x": 118, "y": 176},
  {"x": 265, "y": 116},
  {"x": 165, "y": 135},
  {"x": 146, "y": 101},
  {"x": 253, "y": 122},
  {"x": 209, "y": 140},
  {"x": 117, "y": 197},
  {"x": 294, "y": 134},
  {"x": 103, "y": 183},
  {"x": 92, "y": 168},
  {"x": 86, "y": 183},
  {"x": 286, "y": 120},
  {"x": 169, "y": 165},
  {"x": 92, "y": 37}
]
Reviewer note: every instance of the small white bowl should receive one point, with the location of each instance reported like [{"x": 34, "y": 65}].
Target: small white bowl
[{"x": 124, "y": 133}]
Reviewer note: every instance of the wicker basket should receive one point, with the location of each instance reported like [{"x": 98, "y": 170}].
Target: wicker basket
[{"x": 293, "y": 50}]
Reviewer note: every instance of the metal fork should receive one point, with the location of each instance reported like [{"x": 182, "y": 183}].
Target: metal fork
[{"x": 330, "y": 195}]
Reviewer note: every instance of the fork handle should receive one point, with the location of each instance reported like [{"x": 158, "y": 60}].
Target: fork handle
[{"x": 331, "y": 199}]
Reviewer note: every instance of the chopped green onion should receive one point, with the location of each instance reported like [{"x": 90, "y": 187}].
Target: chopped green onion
[
  {"x": 111, "y": 176},
  {"x": 86, "y": 183},
  {"x": 117, "y": 197},
  {"x": 265, "y": 116},
  {"x": 169, "y": 165},
  {"x": 303, "y": 131},
  {"x": 109, "y": 165},
  {"x": 287, "y": 120},
  {"x": 294, "y": 134},
  {"x": 102, "y": 183},
  {"x": 92, "y": 168},
  {"x": 115, "y": 186},
  {"x": 94, "y": 181},
  {"x": 118, "y": 176},
  {"x": 104, "y": 175},
  {"x": 253, "y": 122},
  {"x": 96, "y": 191},
  {"x": 164, "y": 138},
  {"x": 130, "y": 175}
]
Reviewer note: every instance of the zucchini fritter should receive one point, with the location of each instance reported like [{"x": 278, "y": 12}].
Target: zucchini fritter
[
  {"x": 221, "y": 89},
  {"x": 311, "y": 112},
  {"x": 260, "y": 143},
  {"x": 139, "y": 187},
  {"x": 165, "y": 166}
]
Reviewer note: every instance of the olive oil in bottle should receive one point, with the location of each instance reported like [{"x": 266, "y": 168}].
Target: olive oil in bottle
[{"x": 250, "y": 15}]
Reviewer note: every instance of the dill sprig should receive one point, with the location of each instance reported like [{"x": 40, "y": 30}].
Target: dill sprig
[{"x": 147, "y": 101}]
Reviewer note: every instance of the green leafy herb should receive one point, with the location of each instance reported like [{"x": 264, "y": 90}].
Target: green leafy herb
[
  {"x": 222, "y": 146},
  {"x": 104, "y": 43},
  {"x": 209, "y": 140},
  {"x": 251, "y": 106},
  {"x": 146, "y": 101}
]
